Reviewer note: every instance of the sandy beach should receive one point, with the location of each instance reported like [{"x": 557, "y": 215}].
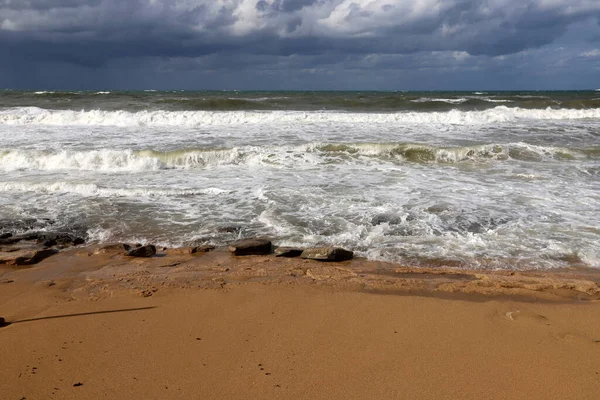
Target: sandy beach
[{"x": 91, "y": 323}]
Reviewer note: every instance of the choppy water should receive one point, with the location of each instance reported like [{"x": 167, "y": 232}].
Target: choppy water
[{"x": 481, "y": 179}]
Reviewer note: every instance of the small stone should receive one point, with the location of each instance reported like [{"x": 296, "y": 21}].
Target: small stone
[
  {"x": 113, "y": 248},
  {"x": 386, "y": 219},
  {"x": 203, "y": 249},
  {"x": 327, "y": 254},
  {"x": 143, "y": 251},
  {"x": 288, "y": 252},
  {"x": 249, "y": 247},
  {"x": 189, "y": 250},
  {"x": 2, "y": 322},
  {"x": 77, "y": 384},
  {"x": 33, "y": 257}
]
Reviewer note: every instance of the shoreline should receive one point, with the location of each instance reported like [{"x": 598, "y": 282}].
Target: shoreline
[
  {"x": 90, "y": 322},
  {"x": 90, "y": 267}
]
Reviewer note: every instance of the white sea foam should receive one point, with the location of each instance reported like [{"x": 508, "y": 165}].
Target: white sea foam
[
  {"x": 449, "y": 101},
  {"x": 497, "y": 188},
  {"x": 39, "y": 116},
  {"x": 311, "y": 154},
  {"x": 93, "y": 190},
  {"x": 496, "y": 100},
  {"x": 259, "y": 99},
  {"x": 95, "y": 160}
]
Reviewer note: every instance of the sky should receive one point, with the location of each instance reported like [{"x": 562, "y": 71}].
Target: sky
[{"x": 300, "y": 44}]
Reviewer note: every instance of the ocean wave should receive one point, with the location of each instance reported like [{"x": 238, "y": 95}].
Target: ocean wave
[
  {"x": 93, "y": 190},
  {"x": 499, "y": 114},
  {"x": 436, "y": 100},
  {"x": 415, "y": 152},
  {"x": 106, "y": 160}
]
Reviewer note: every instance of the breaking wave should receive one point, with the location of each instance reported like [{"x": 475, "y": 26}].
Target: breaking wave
[
  {"x": 93, "y": 190},
  {"x": 106, "y": 160},
  {"x": 499, "y": 114}
]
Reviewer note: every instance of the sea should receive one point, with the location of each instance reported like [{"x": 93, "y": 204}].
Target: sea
[{"x": 492, "y": 180}]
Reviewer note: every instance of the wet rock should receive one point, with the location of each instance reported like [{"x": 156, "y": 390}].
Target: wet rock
[
  {"x": 26, "y": 257},
  {"x": 50, "y": 238},
  {"x": 247, "y": 247},
  {"x": 49, "y": 243},
  {"x": 36, "y": 257},
  {"x": 205, "y": 248},
  {"x": 115, "y": 247},
  {"x": 9, "y": 249},
  {"x": 27, "y": 236},
  {"x": 70, "y": 241},
  {"x": 386, "y": 218},
  {"x": 327, "y": 254},
  {"x": 26, "y": 224},
  {"x": 189, "y": 250},
  {"x": 288, "y": 251},
  {"x": 143, "y": 251},
  {"x": 10, "y": 240}
]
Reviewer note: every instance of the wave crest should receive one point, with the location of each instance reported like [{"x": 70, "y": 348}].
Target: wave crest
[
  {"x": 40, "y": 116},
  {"x": 105, "y": 160}
]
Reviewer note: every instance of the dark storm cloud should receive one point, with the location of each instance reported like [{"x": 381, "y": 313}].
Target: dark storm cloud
[{"x": 98, "y": 33}]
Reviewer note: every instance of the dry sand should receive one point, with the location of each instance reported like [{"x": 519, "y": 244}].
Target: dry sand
[{"x": 213, "y": 326}]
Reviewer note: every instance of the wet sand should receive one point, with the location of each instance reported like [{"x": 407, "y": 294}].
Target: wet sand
[{"x": 214, "y": 326}]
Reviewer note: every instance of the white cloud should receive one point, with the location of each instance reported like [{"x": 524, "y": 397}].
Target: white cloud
[{"x": 591, "y": 53}]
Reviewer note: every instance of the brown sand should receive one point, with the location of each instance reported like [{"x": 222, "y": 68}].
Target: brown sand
[{"x": 218, "y": 327}]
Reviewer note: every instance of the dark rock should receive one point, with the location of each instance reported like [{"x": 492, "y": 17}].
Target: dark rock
[
  {"x": 9, "y": 249},
  {"x": 288, "y": 252},
  {"x": 2, "y": 322},
  {"x": 33, "y": 236},
  {"x": 247, "y": 247},
  {"x": 49, "y": 243},
  {"x": 113, "y": 247},
  {"x": 143, "y": 251},
  {"x": 189, "y": 250},
  {"x": 34, "y": 257},
  {"x": 26, "y": 224},
  {"x": 5, "y": 235},
  {"x": 11, "y": 240},
  {"x": 327, "y": 254},
  {"x": 386, "y": 218},
  {"x": 49, "y": 238},
  {"x": 205, "y": 248}
]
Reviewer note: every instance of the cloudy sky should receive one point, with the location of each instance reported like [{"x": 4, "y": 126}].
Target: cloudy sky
[{"x": 300, "y": 44}]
